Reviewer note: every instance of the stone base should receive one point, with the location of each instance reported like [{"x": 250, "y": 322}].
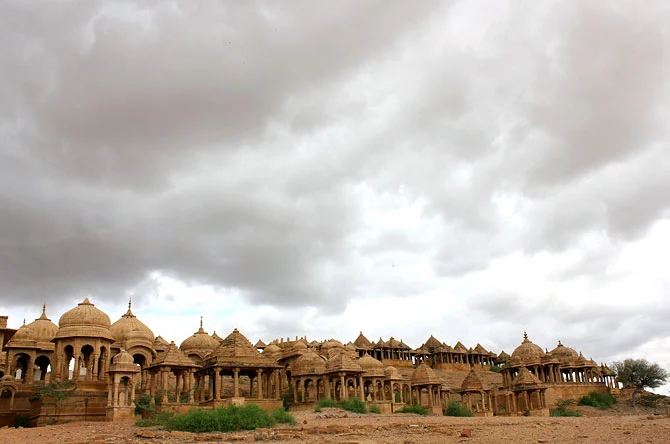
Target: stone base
[
  {"x": 385, "y": 407},
  {"x": 435, "y": 411},
  {"x": 120, "y": 413}
]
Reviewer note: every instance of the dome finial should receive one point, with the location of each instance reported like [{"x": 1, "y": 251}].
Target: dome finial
[
  {"x": 24, "y": 321},
  {"x": 43, "y": 316},
  {"x": 200, "y": 321},
  {"x": 525, "y": 336},
  {"x": 129, "y": 313},
  {"x": 559, "y": 343}
]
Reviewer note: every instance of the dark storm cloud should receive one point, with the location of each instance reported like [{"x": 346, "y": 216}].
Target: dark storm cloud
[{"x": 228, "y": 144}]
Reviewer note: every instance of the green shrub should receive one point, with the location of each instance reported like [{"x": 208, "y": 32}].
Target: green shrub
[
  {"x": 495, "y": 368},
  {"x": 354, "y": 405},
  {"x": 414, "y": 408},
  {"x": 564, "y": 412},
  {"x": 224, "y": 419},
  {"x": 562, "y": 408},
  {"x": 456, "y": 409},
  {"x": 598, "y": 400},
  {"x": 281, "y": 416},
  {"x": 328, "y": 403},
  {"x": 374, "y": 408},
  {"x": 196, "y": 420}
]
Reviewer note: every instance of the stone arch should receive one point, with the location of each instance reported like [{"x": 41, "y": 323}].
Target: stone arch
[
  {"x": 43, "y": 364},
  {"x": 86, "y": 361},
  {"x": 68, "y": 362},
  {"x": 8, "y": 392},
  {"x": 20, "y": 365}
]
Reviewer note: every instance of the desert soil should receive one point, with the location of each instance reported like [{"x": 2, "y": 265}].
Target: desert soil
[{"x": 335, "y": 426}]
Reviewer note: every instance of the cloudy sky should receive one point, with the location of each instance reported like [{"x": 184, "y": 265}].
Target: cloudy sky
[{"x": 468, "y": 169}]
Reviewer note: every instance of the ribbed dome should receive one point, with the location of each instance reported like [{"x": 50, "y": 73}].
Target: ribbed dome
[
  {"x": 308, "y": 364},
  {"x": 299, "y": 346},
  {"x": 43, "y": 328},
  {"x": 333, "y": 343},
  {"x": 372, "y": 366},
  {"x": 367, "y": 362},
  {"x": 527, "y": 351},
  {"x": 123, "y": 357},
  {"x": 85, "y": 320},
  {"x": 130, "y": 329},
  {"x": 24, "y": 337},
  {"x": 392, "y": 373},
  {"x": 272, "y": 349},
  {"x": 200, "y": 343},
  {"x": 564, "y": 354}
]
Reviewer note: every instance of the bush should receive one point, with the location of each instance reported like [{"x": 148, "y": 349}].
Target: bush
[
  {"x": 564, "y": 412},
  {"x": 354, "y": 405},
  {"x": 456, "y": 409},
  {"x": 374, "y": 408},
  {"x": 281, "y": 416},
  {"x": 327, "y": 403},
  {"x": 598, "y": 400},
  {"x": 223, "y": 419},
  {"x": 495, "y": 368},
  {"x": 414, "y": 408},
  {"x": 562, "y": 408}
]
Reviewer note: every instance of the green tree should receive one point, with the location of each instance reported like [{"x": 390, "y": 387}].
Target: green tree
[{"x": 639, "y": 373}]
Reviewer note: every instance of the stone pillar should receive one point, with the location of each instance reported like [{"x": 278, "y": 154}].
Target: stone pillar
[
  {"x": 191, "y": 387},
  {"x": 152, "y": 388},
  {"x": 326, "y": 385},
  {"x": 259, "y": 385},
  {"x": 236, "y": 382},
  {"x": 219, "y": 387},
  {"x": 360, "y": 387},
  {"x": 115, "y": 399},
  {"x": 343, "y": 387},
  {"x": 164, "y": 385}
]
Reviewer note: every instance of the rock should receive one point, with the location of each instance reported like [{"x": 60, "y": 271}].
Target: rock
[
  {"x": 542, "y": 440},
  {"x": 466, "y": 433}
]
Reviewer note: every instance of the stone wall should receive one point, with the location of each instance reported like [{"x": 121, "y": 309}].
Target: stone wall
[{"x": 571, "y": 391}]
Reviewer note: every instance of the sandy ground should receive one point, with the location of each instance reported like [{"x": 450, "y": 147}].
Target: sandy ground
[{"x": 347, "y": 428}]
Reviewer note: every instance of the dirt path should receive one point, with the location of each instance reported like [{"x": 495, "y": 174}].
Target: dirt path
[{"x": 323, "y": 428}]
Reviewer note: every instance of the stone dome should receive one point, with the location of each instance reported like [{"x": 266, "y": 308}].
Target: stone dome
[
  {"x": 391, "y": 372},
  {"x": 272, "y": 349},
  {"x": 123, "y": 357},
  {"x": 200, "y": 343},
  {"x": 299, "y": 346},
  {"x": 24, "y": 337},
  {"x": 124, "y": 362},
  {"x": 129, "y": 331},
  {"x": 563, "y": 353},
  {"x": 527, "y": 351},
  {"x": 367, "y": 362},
  {"x": 43, "y": 328},
  {"x": 372, "y": 366},
  {"x": 333, "y": 343},
  {"x": 85, "y": 320},
  {"x": 308, "y": 364}
]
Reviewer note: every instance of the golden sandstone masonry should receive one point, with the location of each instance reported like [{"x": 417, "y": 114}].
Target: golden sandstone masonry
[{"x": 112, "y": 364}]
